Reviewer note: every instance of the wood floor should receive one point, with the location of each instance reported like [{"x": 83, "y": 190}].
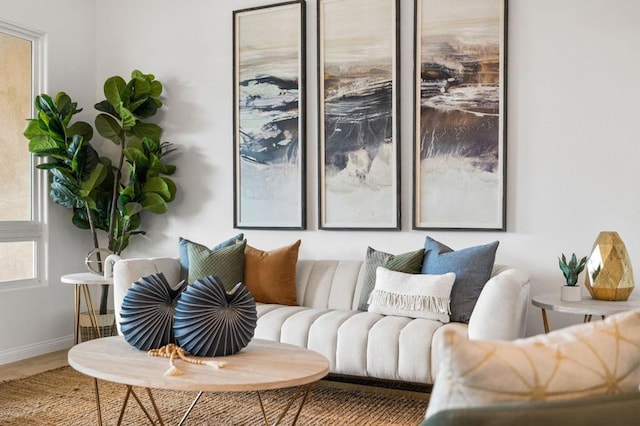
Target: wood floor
[{"x": 31, "y": 366}]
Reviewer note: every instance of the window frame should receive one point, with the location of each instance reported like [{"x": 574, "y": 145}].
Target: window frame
[{"x": 34, "y": 229}]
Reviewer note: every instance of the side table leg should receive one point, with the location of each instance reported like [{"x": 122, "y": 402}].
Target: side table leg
[
  {"x": 545, "y": 321},
  {"x": 76, "y": 324},
  {"x": 91, "y": 310}
]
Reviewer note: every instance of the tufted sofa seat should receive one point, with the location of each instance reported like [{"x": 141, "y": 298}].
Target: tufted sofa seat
[{"x": 360, "y": 343}]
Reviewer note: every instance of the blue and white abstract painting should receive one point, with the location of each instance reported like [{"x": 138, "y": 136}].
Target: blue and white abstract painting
[
  {"x": 269, "y": 119},
  {"x": 358, "y": 114}
]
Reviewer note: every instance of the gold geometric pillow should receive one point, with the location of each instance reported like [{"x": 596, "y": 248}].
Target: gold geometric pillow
[{"x": 600, "y": 357}]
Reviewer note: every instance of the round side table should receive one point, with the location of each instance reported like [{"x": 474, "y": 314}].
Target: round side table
[
  {"x": 82, "y": 281},
  {"x": 587, "y": 306}
]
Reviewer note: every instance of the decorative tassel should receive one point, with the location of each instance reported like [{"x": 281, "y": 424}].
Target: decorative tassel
[
  {"x": 215, "y": 364},
  {"x": 173, "y": 371},
  {"x": 410, "y": 302}
]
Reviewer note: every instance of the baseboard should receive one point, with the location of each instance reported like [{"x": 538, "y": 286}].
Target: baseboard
[{"x": 35, "y": 349}]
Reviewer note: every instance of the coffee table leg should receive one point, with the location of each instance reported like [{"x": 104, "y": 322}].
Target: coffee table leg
[
  {"x": 95, "y": 386},
  {"x": 301, "y": 389},
  {"x": 193, "y": 404}
]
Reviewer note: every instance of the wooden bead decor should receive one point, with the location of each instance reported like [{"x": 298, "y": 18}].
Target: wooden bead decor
[{"x": 173, "y": 351}]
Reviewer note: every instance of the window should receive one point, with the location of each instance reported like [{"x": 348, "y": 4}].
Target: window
[{"x": 21, "y": 216}]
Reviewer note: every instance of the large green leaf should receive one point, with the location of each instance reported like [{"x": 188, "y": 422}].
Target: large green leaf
[
  {"x": 173, "y": 189},
  {"x": 38, "y": 144},
  {"x": 95, "y": 178},
  {"x": 147, "y": 109},
  {"x": 141, "y": 87},
  {"x": 105, "y": 106},
  {"x": 154, "y": 203},
  {"x": 132, "y": 208},
  {"x": 147, "y": 130},
  {"x": 45, "y": 104},
  {"x": 56, "y": 127},
  {"x": 156, "y": 89},
  {"x": 81, "y": 128},
  {"x": 112, "y": 90},
  {"x": 157, "y": 185},
  {"x": 63, "y": 195},
  {"x": 109, "y": 128},
  {"x": 128, "y": 120},
  {"x": 33, "y": 129}
]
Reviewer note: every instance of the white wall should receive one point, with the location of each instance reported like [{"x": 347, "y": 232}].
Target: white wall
[
  {"x": 39, "y": 320},
  {"x": 573, "y": 70}
]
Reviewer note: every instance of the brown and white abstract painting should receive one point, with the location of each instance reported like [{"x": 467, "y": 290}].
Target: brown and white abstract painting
[{"x": 460, "y": 103}]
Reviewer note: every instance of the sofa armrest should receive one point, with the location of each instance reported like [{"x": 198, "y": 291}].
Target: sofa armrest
[
  {"x": 128, "y": 271},
  {"x": 501, "y": 310}
]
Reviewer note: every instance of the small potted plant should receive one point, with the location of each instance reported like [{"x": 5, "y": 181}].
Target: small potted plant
[{"x": 570, "y": 292}]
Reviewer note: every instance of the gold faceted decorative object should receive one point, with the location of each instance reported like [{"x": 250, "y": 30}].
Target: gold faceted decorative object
[{"x": 609, "y": 274}]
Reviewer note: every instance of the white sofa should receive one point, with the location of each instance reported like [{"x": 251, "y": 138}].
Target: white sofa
[{"x": 360, "y": 343}]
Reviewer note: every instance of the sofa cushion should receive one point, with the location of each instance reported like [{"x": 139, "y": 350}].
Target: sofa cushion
[
  {"x": 472, "y": 267},
  {"x": 410, "y": 263},
  {"x": 601, "y": 357},
  {"x": 227, "y": 263},
  {"x": 412, "y": 295},
  {"x": 355, "y": 343},
  {"x": 183, "y": 250},
  {"x": 271, "y": 275}
]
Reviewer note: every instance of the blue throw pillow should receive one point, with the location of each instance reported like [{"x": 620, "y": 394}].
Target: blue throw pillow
[
  {"x": 472, "y": 266},
  {"x": 183, "y": 250}
]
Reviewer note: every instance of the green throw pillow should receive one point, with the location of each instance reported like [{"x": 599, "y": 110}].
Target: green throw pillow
[
  {"x": 227, "y": 263},
  {"x": 409, "y": 263}
]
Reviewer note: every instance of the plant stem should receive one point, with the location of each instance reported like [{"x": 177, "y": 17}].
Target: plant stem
[
  {"x": 114, "y": 198},
  {"x": 104, "y": 295}
]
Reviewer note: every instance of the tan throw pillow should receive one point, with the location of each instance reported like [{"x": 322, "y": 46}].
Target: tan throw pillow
[
  {"x": 601, "y": 357},
  {"x": 270, "y": 276}
]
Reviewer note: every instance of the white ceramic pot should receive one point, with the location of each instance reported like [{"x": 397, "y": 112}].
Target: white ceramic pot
[{"x": 570, "y": 293}]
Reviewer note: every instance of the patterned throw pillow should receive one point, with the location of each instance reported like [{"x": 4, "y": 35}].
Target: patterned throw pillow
[
  {"x": 472, "y": 266},
  {"x": 412, "y": 295},
  {"x": 183, "y": 250},
  {"x": 227, "y": 263},
  {"x": 600, "y": 357},
  {"x": 410, "y": 263},
  {"x": 271, "y": 275}
]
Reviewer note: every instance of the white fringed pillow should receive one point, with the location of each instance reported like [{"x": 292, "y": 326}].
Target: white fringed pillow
[
  {"x": 601, "y": 357},
  {"x": 412, "y": 295}
]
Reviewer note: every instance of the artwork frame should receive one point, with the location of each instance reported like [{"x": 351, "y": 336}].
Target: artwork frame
[
  {"x": 460, "y": 81},
  {"x": 269, "y": 116},
  {"x": 358, "y": 47}
]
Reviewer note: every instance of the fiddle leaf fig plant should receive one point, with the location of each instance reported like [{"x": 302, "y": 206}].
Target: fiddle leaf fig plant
[
  {"x": 571, "y": 269},
  {"x": 103, "y": 195}
]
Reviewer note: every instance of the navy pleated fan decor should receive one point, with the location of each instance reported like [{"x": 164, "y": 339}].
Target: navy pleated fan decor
[{"x": 210, "y": 321}]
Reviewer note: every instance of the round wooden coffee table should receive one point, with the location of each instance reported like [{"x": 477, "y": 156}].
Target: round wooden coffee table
[{"x": 262, "y": 365}]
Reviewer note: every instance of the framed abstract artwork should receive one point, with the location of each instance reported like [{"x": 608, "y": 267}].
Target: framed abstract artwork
[
  {"x": 460, "y": 115},
  {"x": 269, "y": 116},
  {"x": 358, "y": 113}
]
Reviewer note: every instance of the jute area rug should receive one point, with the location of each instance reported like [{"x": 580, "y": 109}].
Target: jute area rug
[{"x": 66, "y": 397}]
